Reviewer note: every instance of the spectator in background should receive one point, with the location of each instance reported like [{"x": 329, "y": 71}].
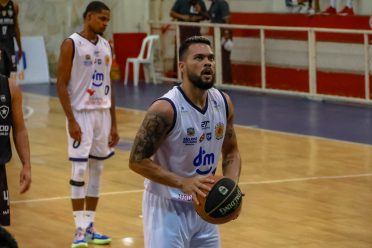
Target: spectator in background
[
  {"x": 347, "y": 10},
  {"x": 301, "y": 7},
  {"x": 227, "y": 45},
  {"x": 219, "y": 12},
  {"x": 189, "y": 11}
]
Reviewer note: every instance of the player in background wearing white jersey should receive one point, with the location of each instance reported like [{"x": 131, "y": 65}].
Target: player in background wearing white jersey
[
  {"x": 178, "y": 145},
  {"x": 88, "y": 100}
]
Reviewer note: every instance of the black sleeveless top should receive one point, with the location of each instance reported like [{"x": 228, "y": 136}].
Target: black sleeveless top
[
  {"x": 5, "y": 120},
  {"x": 7, "y": 21}
]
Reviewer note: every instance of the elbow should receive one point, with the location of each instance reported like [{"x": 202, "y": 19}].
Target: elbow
[{"x": 134, "y": 166}]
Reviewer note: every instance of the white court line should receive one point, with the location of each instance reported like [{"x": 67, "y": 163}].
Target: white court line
[
  {"x": 303, "y": 179},
  {"x": 69, "y": 197},
  {"x": 300, "y": 135}
]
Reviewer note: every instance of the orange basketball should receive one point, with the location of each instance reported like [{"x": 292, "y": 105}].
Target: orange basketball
[{"x": 223, "y": 203}]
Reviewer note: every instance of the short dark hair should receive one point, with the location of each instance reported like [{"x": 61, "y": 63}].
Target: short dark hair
[
  {"x": 95, "y": 6},
  {"x": 6, "y": 239},
  {"x": 192, "y": 40}
]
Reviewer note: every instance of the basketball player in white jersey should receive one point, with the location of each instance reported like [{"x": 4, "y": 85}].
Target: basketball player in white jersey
[
  {"x": 87, "y": 98},
  {"x": 178, "y": 145}
]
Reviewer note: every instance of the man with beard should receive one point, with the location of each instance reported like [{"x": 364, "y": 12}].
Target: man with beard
[{"x": 178, "y": 145}]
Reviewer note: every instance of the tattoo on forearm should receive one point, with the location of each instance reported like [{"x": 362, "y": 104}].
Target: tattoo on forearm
[
  {"x": 153, "y": 128},
  {"x": 226, "y": 163}
]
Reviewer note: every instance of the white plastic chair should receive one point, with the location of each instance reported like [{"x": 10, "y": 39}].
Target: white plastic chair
[{"x": 146, "y": 59}]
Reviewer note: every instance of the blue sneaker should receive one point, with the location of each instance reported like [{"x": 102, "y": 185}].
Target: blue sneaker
[
  {"x": 96, "y": 238},
  {"x": 79, "y": 239}
]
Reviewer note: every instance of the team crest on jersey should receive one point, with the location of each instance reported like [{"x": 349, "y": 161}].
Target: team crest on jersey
[
  {"x": 202, "y": 137},
  {"x": 190, "y": 139},
  {"x": 190, "y": 131},
  {"x": 10, "y": 12},
  {"x": 107, "y": 59},
  {"x": 88, "y": 60},
  {"x": 4, "y": 111},
  {"x": 218, "y": 130},
  {"x": 3, "y": 12},
  {"x": 2, "y": 98}
]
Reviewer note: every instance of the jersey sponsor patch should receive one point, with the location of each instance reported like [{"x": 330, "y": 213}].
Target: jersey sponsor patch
[{"x": 218, "y": 130}]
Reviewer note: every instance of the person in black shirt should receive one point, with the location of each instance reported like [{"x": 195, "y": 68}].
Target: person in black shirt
[
  {"x": 9, "y": 29},
  {"x": 11, "y": 117}
]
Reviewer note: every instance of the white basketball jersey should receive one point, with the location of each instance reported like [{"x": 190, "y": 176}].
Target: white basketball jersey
[
  {"x": 193, "y": 146},
  {"x": 90, "y": 84}
]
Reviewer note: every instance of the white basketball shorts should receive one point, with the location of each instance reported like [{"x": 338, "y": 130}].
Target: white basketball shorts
[
  {"x": 95, "y": 126},
  {"x": 173, "y": 224}
]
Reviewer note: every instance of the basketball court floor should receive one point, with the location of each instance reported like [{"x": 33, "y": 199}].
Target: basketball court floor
[{"x": 307, "y": 174}]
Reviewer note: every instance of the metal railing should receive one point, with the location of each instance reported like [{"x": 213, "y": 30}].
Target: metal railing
[{"x": 312, "y": 57}]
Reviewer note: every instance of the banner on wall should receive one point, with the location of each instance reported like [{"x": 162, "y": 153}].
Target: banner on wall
[{"x": 33, "y": 66}]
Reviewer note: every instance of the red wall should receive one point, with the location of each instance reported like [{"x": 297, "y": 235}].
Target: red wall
[
  {"x": 333, "y": 83},
  {"x": 127, "y": 45}
]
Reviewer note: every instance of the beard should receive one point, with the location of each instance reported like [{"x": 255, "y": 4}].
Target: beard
[{"x": 199, "y": 83}]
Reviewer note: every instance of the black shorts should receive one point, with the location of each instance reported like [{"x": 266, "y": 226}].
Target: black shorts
[
  {"x": 4, "y": 198},
  {"x": 7, "y": 47}
]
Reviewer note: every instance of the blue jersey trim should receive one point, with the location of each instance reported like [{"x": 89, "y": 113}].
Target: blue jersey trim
[
  {"x": 227, "y": 106},
  {"x": 102, "y": 158}
]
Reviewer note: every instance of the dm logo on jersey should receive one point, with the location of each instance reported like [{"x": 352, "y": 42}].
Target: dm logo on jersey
[
  {"x": 4, "y": 111},
  {"x": 98, "y": 78},
  {"x": 218, "y": 130},
  {"x": 204, "y": 162},
  {"x": 2, "y": 98}
]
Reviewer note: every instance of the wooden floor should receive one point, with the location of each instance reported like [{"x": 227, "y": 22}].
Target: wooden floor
[{"x": 301, "y": 192}]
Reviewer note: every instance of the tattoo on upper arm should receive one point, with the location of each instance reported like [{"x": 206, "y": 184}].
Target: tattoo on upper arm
[{"x": 148, "y": 138}]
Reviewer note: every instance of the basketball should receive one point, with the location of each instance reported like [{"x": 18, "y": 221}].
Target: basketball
[{"x": 222, "y": 204}]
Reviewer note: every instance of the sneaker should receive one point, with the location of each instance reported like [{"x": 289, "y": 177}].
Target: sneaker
[
  {"x": 96, "y": 238},
  {"x": 346, "y": 11},
  {"x": 329, "y": 11},
  {"x": 79, "y": 239}
]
